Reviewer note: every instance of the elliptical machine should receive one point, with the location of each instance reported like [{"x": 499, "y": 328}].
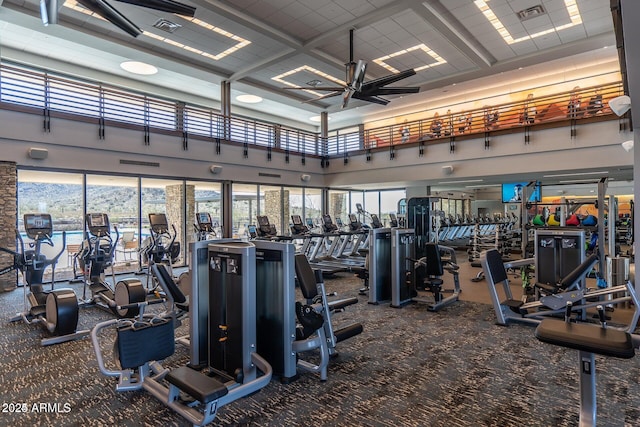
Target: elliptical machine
[
  {"x": 57, "y": 309},
  {"x": 205, "y": 228},
  {"x": 162, "y": 247},
  {"x": 97, "y": 254}
]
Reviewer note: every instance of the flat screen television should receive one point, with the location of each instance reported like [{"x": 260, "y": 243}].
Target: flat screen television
[{"x": 512, "y": 193}]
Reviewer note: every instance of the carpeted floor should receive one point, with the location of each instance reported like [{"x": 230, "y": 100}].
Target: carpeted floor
[{"x": 409, "y": 367}]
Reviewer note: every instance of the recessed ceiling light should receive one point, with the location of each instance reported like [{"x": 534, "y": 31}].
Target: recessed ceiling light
[
  {"x": 249, "y": 99},
  {"x": 137, "y": 67},
  {"x": 439, "y": 60},
  {"x": 572, "y": 10},
  {"x": 317, "y": 118}
]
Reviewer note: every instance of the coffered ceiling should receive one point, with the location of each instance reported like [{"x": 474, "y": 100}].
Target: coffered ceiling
[{"x": 262, "y": 46}]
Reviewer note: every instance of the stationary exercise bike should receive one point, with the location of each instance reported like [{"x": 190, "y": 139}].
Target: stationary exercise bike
[
  {"x": 97, "y": 254},
  {"x": 57, "y": 309}
]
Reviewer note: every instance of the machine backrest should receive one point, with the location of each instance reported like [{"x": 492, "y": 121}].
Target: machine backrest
[
  {"x": 167, "y": 283},
  {"x": 579, "y": 272},
  {"x": 495, "y": 267},
  {"x": 434, "y": 262},
  {"x": 306, "y": 277}
]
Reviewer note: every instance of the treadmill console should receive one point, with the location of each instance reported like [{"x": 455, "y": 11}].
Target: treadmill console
[
  {"x": 265, "y": 229},
  {"x": 354, "y": 224},
  {"x": 393, "y": 220},
  {"x": 298, "y": 227},
  {"x": 375, "y": 221},
  {"x": 327, "y": 224}
]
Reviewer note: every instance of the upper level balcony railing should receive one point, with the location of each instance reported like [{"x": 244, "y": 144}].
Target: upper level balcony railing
[
  {"x": 560, "y": 109},
  {"x": 52, "y": 95}
]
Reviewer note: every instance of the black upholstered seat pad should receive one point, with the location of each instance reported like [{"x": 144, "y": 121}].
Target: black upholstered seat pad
[
  {"x": 199, "y": 386},
  {"x": 586, "y": 337}
]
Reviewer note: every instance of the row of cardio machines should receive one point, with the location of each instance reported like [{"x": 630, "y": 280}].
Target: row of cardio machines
[
  {"x": 58, "y": 309},
  {"x": 330, "y": 247},
  {"x": 243, "y": 329}
]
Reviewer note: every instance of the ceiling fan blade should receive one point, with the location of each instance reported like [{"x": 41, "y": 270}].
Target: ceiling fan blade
[
  {"x": 392, "y": 91},
  {"x": 358, "y": 75},
  {"x": 346, "y": 96},
  {"x": 370, "y": 98},
  {"x": 109, "y": 13},
  {"x": 164, "y": 6},
  {"x": 321, "y": 89},
  {"x": 328, "y": 95},
  {"x": 392, "y": 78}
]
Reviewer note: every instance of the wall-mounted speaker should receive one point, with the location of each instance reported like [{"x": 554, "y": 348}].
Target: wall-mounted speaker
[
  {"x": 38, "y": 153},
  {"x": 620, "y": 104},
  {"x": 447, "y": 170}
]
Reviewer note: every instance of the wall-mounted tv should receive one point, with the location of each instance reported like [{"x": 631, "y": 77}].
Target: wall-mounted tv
[{"x": 512, "y": 193}]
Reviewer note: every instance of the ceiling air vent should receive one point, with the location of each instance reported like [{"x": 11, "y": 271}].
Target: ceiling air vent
[
  {"x": 531, "y": 12},
  {"x": 166, "y": 25}
]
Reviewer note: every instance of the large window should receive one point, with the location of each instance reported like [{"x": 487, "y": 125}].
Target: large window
[
  {"x": 313, "y": 203},
  {"x": 372, "y": 203},
  {"x": 61, "y": 196},
  {"x": 127, "y": 200},
  {"x": 117, "y": 196},
  {"x": 389, "y": 203},
  {"x": 168, "y": 197},
  {"x": 208, "y": 198},
  {"x": 357, "y": 198},
  {"x": 293, "y": 204},
  {"x": 244, "y": 199}
]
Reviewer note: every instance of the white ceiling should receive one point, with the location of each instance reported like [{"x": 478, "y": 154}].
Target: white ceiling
[{"x": 286, "y": 34}]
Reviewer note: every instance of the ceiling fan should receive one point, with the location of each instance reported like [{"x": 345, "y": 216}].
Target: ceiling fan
[
  {"x": 49, "y": 11},
  {"x": 356, "y": 87}
]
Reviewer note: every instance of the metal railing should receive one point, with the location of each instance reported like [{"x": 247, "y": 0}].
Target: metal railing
[
  {"x": 53, "y": 94},
  {"x": 569, "y": 106},
  {"x": 37, "y": 91}
]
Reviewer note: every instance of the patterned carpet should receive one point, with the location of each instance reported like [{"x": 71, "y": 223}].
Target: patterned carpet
[{"x": 409, "y": 367}]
